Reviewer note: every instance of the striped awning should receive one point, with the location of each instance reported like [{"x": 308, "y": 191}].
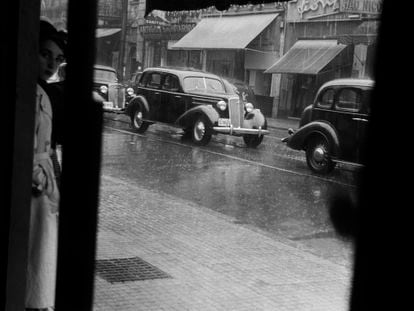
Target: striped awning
[
  {"x": 225, "y": 32},
  {"x": 307, "y": 57},
  {"x": 105, "y": 32}
]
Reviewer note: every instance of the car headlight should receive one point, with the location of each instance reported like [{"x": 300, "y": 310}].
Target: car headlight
[
  {"x": 130, "y": 91},
  {"x": 103, "y": 89},
  {"x": 222, "y": 105},
  {"x": 249, "y": 107}
]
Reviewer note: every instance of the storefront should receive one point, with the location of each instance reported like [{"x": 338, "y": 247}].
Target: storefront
[
  {"x": 325, "y": 39},
  {"x": 160, "y": 30},
  {"x": 107, "y": 46}
]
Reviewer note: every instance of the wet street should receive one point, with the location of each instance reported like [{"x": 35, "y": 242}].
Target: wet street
[{"x": 268, "y": 189}]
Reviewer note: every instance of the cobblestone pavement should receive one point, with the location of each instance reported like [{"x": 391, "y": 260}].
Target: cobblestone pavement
[{"x": 211, "y": 262}]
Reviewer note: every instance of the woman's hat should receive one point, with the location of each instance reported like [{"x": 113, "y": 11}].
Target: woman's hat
[{"x": 48, "y": 32}]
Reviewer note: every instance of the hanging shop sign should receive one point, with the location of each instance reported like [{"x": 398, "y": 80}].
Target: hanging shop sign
[
  {"x": 361, "y": 6},
  {"x": 172, "y": 28},
  {"x": 307, "y": 9},
  {"x": 169, "y": 25}
]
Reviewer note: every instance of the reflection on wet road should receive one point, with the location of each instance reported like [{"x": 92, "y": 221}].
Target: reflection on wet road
[{"x": 259, "y": 188}]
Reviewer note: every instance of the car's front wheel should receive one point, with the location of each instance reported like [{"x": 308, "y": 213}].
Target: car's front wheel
[
  {"x": 201, "y": 132},
  {"x": 318, "y": 155},
  {"x": 252, "y": 141},
  {"x": 137, "y": 122}
]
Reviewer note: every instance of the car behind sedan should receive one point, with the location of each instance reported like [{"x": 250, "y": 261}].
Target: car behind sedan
[
  {"x": 333, "y": 128},
  {"x": 106, "y": 85}
]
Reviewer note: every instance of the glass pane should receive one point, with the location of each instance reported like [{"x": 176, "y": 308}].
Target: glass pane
[
  {"x": 349, "y": 99},
  {"x": 216, "y": 212}
]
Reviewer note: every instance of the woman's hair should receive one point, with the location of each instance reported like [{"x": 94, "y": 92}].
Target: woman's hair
[{"x": 48, "y": 32}]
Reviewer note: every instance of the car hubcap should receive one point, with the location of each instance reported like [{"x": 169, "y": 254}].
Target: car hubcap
[
  {"x": 199, "y": 130},
  {"x": 319, "y": 154},
  {"x": 138, "y": 119}
]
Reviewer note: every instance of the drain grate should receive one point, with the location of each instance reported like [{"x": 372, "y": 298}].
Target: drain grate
[{"x": 127, "y": 270}]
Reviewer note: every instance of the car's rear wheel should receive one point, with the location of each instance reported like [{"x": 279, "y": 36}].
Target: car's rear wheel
[
  {"x": 252, "y": 141},
  {"x": 137, "y": 120},
  {"x": 318, "y": 155},
  {"x": 201, "y": 131}
]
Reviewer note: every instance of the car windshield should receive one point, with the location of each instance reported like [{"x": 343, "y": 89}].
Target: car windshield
[
  {"x": 203, "y": 85},
  {"x": 101, "y": 74}
]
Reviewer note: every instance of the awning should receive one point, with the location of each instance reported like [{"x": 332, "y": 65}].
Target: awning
[
  {"x": 307, "y": 57},
  {"x": 104, "y": 32},
  {"x": 259, "y": 60},
  {"x": 226, "y": 32}
]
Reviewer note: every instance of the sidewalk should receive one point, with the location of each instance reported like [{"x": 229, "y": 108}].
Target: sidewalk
[{"x": 202, "y": 260}]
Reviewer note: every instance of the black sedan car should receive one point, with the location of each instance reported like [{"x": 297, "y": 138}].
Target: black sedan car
[
  {"x": 111, "y": 92},
  {"x": 196, "y": 101},
  {"x": 333, "y": 128}
]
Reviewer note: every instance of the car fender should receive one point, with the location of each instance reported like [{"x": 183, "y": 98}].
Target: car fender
[
  {"x": 189, "y": 116},
  {"x": 254, "y": 120},
  {"x": 299, "y": 139},
  {"x": 137, "y": 101}
]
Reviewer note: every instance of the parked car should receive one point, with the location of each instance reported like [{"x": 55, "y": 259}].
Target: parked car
[
  {"x": 333, "y": 128},
  {"x": 106, "y": 85},
  {"x": 196, "y": 101},
  {"x": 132, "y": 85}
]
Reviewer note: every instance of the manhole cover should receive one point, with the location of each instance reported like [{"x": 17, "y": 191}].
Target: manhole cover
[{"x": 127, "y": 270}]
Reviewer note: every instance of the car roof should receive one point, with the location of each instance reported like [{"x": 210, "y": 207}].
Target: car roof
[
  {"x": 349, "y": 82},
  {"x": 183, "y": 72},
  {"x": 103, "y": 67}
]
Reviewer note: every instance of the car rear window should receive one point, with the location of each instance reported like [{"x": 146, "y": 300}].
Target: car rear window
[{"x": 203, "y": 85}]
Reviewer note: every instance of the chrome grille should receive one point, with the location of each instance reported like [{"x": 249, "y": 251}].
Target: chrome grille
[
  {"x": 236, "y": 112},
  {"x": 116, "y": 94}
]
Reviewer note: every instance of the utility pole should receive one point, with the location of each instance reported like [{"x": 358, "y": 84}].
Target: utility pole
[{"x": 122, "y": 42}]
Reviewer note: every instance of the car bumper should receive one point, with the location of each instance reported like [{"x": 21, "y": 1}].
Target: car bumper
[
  {"x": 114, "y": 110},
  {"x": 286, "y": 139},
  {"x": 240, "y": 131}
]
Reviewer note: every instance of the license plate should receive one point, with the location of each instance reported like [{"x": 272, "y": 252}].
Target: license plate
[
  {"x": 108, "y": 105},
  {"x": 223, "y": 122}
]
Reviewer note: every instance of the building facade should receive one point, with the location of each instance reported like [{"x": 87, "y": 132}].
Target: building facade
[
  {"x": 239, "y": 43},
  {"x": 324, "y": 40}
]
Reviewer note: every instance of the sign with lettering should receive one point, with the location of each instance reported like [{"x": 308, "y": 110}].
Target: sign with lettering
[
  {"x": 305, "y": 9},
  {"x": 361, "y": 6},
  {"x": 172, "y": 28}
]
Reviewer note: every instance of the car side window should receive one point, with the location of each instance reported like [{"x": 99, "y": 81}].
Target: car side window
[
  {"x": 366, "y": 101},
  {"x": 170, "y": 83},
  {"x": 349, "y": 99},
  {"x": 144, "y": 79},
  {"x": 326, "y": 99},
  {"x": 154, "y": 80}
]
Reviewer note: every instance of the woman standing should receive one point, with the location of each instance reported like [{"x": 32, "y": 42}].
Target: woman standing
[{"x": 42, "y": 262}]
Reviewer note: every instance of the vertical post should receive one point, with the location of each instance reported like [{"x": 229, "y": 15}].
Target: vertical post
[
  {"x": 18, "y": 60},
  {"x": 81, "y": 161},
  {"x": 122, "y": 43}
]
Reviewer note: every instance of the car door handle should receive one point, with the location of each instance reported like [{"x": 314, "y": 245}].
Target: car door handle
[
  {"x": 177, "y": 96},
  {"x": 360, "y": 119},
  {"x": 157, "y": 93}
]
